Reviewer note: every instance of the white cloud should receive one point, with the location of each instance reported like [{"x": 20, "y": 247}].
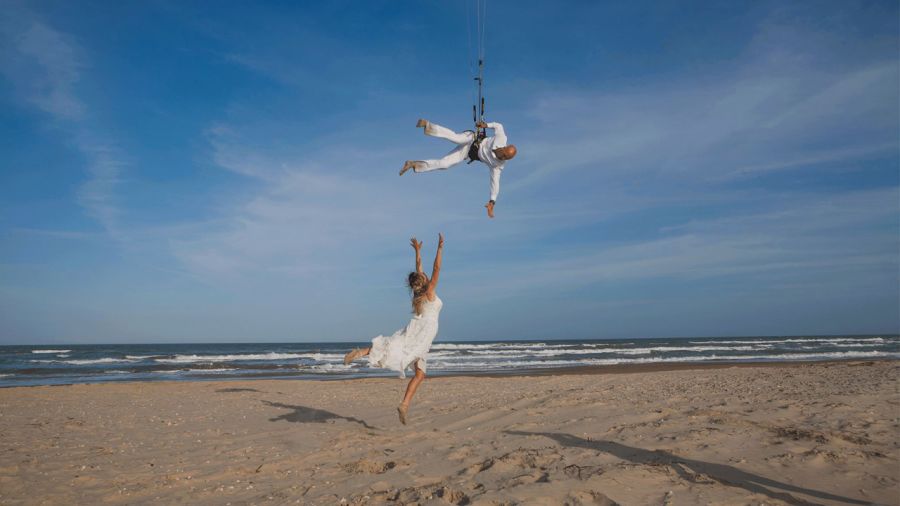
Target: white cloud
[
  {"x": 770, "y": 113},
  {"x": 45, "y": 67},
  {"x": 810, "y": 236},
  {"x": 822, "y": 157},
  {"x": 232, "y": 153},
  {"x": 775, "y": 110},
  {"x": 302, "y": 218},
  {"x": 625, "y": 187}
]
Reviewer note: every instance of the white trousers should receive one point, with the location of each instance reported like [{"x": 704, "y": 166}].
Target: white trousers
[{"x": 462, "y": 140}]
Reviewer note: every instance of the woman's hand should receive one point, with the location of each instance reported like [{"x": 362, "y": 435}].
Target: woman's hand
[
  {"x": 415, "y": 244},
  {"x": 440, "y": 240}
]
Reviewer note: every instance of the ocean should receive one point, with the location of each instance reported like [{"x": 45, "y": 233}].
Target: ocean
[{"x": 68, "y": 364}]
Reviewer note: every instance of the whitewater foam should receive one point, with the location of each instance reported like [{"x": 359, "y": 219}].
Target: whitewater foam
[
  {"x": 187, "y": 359},
  {"x": 105, "y": 360},
  {"x": 796, "y": 340},
  {"x": 329, "y": 367},
  {"x": 454, "y": 346}
]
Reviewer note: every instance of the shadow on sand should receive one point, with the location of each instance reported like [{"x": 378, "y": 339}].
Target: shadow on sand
[
  {"x": 303, "y": 414},
  {"x": 233, "y": 390},
  {"x": 688, "y": 468}
]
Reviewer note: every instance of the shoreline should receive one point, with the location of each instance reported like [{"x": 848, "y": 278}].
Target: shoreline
[
  {"x": 351, "y": 344},
  {"x": 589, "y": 370},
  {"x": 679, "y": 366}
]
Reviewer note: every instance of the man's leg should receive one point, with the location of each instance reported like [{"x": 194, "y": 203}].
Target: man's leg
[
  {"x": 454, "y": 157},
  {"x": 442, "y": 132}
]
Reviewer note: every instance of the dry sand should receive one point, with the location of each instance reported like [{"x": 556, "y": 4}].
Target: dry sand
[{"x": 800, "y": 434}]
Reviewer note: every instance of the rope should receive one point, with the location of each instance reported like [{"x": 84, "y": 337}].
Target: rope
[
  {"x": 473, "y": 95},
  {"x": 481, "y": 20},
  {"x": 469, "y": 40},
  {"x": 480, "y": 15}
]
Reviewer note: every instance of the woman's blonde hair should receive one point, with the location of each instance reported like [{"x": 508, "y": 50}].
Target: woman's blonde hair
[{"x": 418, "y": 284}]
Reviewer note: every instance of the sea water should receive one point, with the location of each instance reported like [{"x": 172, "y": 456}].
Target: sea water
[{"x": 67, "y": 364}]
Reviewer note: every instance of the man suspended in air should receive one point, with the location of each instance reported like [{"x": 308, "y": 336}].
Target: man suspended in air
[{"x": 492, "y": 151}]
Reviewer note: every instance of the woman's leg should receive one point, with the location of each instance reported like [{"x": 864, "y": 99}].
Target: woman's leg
[
  {"x": 355, "y": 354},
  {"x": 413, "y": 385},
  {"x": 411, "y": 388}
]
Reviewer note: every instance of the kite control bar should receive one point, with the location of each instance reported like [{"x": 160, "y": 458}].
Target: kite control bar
[{"x": 480, "y": 132}]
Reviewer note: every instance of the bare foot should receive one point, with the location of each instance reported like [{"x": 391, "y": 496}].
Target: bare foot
[
  {"x": 353, "y": 355},
  {"x": 406, "y": 166},
  {"x": 421, "y": 123},
  {"x": 490, "y": 208},
  {"x": 401, "y": 410}
]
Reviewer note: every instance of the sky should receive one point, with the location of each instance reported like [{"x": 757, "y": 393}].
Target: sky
[{"x": 227, "y": 172}]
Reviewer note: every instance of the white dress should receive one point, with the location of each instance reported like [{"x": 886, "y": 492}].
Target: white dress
[{"x": 408, "y": 345}]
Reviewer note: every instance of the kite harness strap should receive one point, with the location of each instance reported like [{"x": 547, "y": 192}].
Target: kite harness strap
[{"x": 475, "y": 146}]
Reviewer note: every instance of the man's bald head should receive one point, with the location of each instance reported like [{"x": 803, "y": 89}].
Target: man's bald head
[{"x": 506, "y": 152}]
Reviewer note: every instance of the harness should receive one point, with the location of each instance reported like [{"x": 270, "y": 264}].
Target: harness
[{"x": 475, "y": 146}]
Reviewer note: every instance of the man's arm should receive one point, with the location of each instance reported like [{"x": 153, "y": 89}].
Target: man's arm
[
  {"x": 495, "y": 183},
  {"x": 495, "y": 190},
  {"x": 499, "y": 134}
]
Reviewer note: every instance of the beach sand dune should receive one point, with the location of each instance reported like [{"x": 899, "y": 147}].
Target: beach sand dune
[{"x": 822, "y": 433}]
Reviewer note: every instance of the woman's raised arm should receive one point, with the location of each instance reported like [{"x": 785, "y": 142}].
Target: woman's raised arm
[
  {"x": 417, "y": 245},
  {"x": 436, "y": 270}
]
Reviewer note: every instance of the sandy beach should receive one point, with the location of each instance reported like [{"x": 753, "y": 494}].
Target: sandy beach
[{"x": 824, "y": 433}]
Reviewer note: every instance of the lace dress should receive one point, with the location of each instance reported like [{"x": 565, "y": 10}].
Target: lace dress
[{"x": 408, "y": 345}]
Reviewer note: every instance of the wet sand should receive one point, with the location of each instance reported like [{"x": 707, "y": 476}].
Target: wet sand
[{"x": 824, "y": 433}]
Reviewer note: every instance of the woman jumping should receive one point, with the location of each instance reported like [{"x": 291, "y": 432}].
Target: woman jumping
[{"x": 409, "y": 346}]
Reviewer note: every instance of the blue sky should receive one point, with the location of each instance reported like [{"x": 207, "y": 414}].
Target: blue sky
[{"x": 187, "y": 172}]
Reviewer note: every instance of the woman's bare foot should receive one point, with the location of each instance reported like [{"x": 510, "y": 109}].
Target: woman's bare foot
[
  {"x": 353, "y": 355},
  {"x": 422, "y": 123},
  {"x": 402, "y": 410},
  {"x": 406, "y": 166}
]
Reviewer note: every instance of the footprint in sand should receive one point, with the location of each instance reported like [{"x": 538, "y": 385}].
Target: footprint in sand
[{"x": 366, "y": 466}]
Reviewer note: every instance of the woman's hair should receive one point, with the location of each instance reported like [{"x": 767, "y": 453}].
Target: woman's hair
[{"x": 418, "y": 284}]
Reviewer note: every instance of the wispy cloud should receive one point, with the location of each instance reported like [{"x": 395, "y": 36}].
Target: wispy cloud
[
  {"x": 42, "y": 64},
  {"x": 231, "y": 152},
  {"x": 56, "y": 234},
  {"x": 299, "y": 219},
  {"x": 796, "y": 240},
  {"x": 98, "y": 194},
  {"x": 767, "y": 114},
  {"x": 258, "y": 194},
  {"x": 45, "y": 67},
  {"x": 823, "y": 157},
  {"x": 770, "y": 113},
  {"x": 314, "y": 214}
]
